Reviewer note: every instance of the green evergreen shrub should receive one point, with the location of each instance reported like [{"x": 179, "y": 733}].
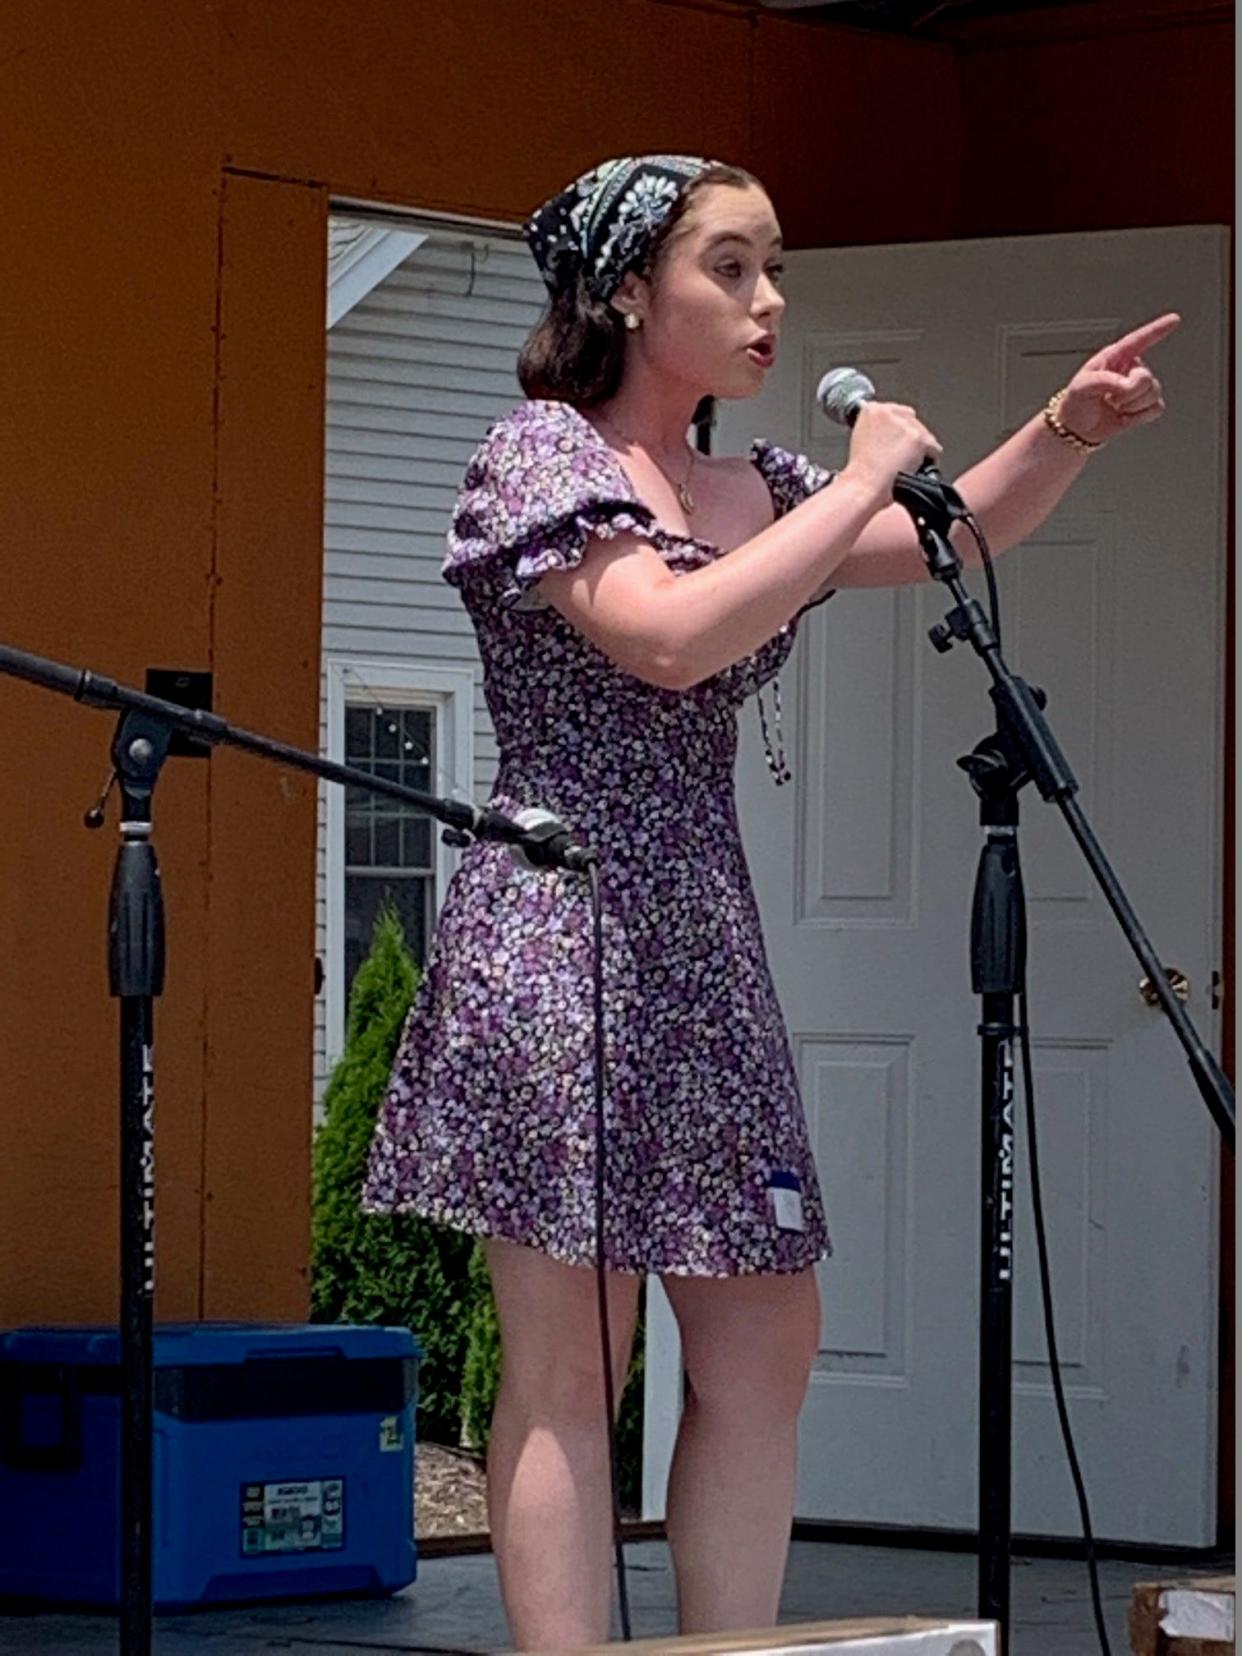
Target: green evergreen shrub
[
  {"x": 394, "y": 1269},
  {"x": 481, "y": 1373}
]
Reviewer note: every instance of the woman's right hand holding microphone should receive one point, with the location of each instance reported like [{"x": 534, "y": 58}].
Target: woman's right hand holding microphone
[{"x": 888, "y": 438}]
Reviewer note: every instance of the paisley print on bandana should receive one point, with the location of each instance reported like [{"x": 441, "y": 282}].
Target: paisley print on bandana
[{"x": 604, "y": 222}]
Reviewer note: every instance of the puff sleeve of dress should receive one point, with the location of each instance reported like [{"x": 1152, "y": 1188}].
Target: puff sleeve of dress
[{"x": 537, "y": 490}]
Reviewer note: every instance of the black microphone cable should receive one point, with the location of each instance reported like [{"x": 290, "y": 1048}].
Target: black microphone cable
[
  {"x": 601, "y": 1277},
  {"x": 550, "y": 845},
  {"x": 1050, "y": 1333},
  {"x": 985, "y": 553}
]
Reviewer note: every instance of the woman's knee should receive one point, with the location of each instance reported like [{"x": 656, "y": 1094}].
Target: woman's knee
[
  {"x": 551, "y": 1352},
  {"x": 752, "y": 1350}
]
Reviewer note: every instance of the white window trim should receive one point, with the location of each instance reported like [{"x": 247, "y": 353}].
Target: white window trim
[{"x": 351, "y": 680}]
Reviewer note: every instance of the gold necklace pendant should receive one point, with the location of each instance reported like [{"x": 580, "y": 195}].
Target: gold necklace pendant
[{"x": 682, "y": 488}]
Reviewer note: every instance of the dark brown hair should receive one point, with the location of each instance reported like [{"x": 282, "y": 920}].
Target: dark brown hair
[{"x": 576, "y": 350}]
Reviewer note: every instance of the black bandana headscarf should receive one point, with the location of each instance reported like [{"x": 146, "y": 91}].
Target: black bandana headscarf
[{"x": 604, "y": 222}]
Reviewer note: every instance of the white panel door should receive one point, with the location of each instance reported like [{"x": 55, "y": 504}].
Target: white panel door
[{"x": 865, "y": 866}]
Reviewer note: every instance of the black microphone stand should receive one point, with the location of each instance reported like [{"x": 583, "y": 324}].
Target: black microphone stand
[
  {"x": 1021, "y": 749},
  {"x": 136, "y": 978}
]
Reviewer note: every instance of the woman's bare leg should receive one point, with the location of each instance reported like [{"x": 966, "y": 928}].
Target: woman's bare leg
[
  {"x": 549, "y": 1498},
  {"x": 748, "y": 1344}
]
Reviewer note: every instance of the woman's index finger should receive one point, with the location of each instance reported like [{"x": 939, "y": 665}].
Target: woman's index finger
[{"x": 1133, "y": 345}]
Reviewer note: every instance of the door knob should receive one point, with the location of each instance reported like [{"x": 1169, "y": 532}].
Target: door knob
[{"x": 1178, "y": 982}]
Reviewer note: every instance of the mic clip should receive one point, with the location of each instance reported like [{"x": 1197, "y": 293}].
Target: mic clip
[
  {"x": 935, "y": 506},
  {"x": 926, "y": 495},
  {"x": 547, "y": 843},
  {"x": 537, "y": 838}
]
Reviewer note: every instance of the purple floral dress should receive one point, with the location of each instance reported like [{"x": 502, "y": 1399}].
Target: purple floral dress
[{"x": 488, "y": 1124}]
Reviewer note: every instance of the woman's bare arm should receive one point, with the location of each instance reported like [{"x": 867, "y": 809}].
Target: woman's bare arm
[
  {"x": 1011, "y": 491},
  {"x": 676, "y": 630},
  {"x": 1014, "y": 489}
]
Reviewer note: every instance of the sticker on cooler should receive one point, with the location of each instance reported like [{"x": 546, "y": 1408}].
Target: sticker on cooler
[
  {"x": 785, "y": 1195},
  {"x": 306, "y": 1516}
]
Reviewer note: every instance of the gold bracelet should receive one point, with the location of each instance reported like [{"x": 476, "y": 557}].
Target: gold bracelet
[{"x": 1051, "y": 410}]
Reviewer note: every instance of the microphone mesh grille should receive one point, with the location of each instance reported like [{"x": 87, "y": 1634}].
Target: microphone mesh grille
[{"x": 840, "y": 392}]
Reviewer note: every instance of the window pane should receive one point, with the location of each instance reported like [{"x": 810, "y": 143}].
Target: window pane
[
  {"x": 387, "y": 733},
  {"x": 364, "y": 896},
  {"x": 417, "y": 726},
  {"x": 387, "y": 849},
  {"x": 416, "y": 842},
  {"x": 396, "y": 744},
  {"x": 357, "y": 841},
  {"x": 357, "y": 731}
]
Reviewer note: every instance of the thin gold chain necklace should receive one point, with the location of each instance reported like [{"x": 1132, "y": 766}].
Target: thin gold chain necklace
[{"x": 683, "y": 488}]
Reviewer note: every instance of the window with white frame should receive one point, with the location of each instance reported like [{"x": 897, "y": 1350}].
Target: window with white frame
[
  {"x": 388, "y": 856},
  {"x": 410, "y": 724}
]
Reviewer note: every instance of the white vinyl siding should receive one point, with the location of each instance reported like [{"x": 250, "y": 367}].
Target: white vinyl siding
[{"x": 416, "y": 371}]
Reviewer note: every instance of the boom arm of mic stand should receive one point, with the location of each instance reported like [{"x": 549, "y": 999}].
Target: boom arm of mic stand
[
  {"x": 934, "y": 506},
  {"x": 465, "y": 820}
]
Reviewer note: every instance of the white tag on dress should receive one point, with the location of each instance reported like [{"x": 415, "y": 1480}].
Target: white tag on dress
[{"x": 786, "y": 1194}]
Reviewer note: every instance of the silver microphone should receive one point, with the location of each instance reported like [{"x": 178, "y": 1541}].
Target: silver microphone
[{"x": 842, "y": 392}]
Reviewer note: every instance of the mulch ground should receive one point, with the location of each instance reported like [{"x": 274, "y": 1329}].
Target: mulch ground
[{"x": 450, "y": 1492}]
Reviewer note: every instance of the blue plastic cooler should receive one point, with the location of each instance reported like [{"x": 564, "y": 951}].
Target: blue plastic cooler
[{"x": 283, "y": 1462}]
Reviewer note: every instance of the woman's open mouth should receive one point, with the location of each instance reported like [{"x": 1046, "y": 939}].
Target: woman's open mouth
[{"x": 762, "y": 352}]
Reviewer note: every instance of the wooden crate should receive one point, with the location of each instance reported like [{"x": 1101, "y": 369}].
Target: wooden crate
[{"x": 1193, "y": 1616}]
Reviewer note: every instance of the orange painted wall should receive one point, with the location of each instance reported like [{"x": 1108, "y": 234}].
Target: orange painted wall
[
  {"x": 1131, "y": 129},
  {"x": 111, "y": 168},
  {"x": 168, "y": 171}
]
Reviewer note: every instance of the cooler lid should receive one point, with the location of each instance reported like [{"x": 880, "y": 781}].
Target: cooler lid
[{"x": 183, "y": 1345}]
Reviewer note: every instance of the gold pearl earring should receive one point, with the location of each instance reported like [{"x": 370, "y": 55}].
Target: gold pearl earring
[{"x": 633, "y": 321}]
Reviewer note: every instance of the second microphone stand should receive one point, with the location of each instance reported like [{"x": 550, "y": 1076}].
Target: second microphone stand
[
  {"x": 136, "y": 979},
  {"x": 1021, "y": 749}
]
